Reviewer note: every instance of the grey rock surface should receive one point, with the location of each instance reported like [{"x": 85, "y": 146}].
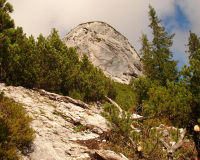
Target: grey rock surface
[
  {"x": 107, "y": 49},
  {"x": 55, "y": 122}
]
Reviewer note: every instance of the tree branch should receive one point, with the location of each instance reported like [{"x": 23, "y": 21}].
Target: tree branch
[
  {"x": 180, "y": 142},
  {"x": 172, "y": 149},
  {"x": 114, "y": 103},
  {"x": 65, "y": 99}
]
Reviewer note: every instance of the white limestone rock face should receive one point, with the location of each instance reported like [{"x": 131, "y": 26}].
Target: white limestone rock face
[
  {"x": 107, "y": 49},
  {"x": 54, "y": 122}
]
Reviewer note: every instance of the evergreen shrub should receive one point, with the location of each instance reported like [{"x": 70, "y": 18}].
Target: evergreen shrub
[
  {"x": 50, "y": 65},
  {"x": 125, "y": 98},
  {"x": 15, "y": 130}
]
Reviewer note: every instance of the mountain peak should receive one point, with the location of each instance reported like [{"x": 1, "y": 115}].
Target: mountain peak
[{"x": 106, "y": 48}]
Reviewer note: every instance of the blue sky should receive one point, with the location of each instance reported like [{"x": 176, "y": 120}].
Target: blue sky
[
  {"x": 129, "y": 17},
  {"x": 179, "y": 17},
  {"x": 178, "y": 21}
]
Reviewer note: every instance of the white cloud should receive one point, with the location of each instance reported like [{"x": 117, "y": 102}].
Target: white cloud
[
  {"x": 180, "y": 40},
  {"x": 129, "y": 17},
  {"x": 192, "y": 10}
]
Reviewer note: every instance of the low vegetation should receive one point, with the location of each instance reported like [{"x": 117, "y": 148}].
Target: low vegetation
[
  {"x": 79, "y": 128},
  {"x": 126, "y": 98},
  {"x": 15, "y": 132}
]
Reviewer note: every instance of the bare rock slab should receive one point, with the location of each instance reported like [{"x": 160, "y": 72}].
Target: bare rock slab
[
  {"x": 107, "y": 49},
  {"x": 54, "y": 122}
]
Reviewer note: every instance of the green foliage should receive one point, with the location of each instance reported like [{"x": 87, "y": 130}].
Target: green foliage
[
  {"x": 194, "y": 45},
  {"x": 156, "y": 56},
  {"x": 5, "y": 22},
  {"x": 125, "y": 96},
  {"x": 175, "y": 135},
  {"x": 7, "y": 35},
  {"x": 24, "y": 70},
  {"x": 15, "y": 132},
  {"x": 122, "y": 123},
  {"x": 79, "y": 128},
  {"x": 119, "y": 140},
  {"x": 149, "y": 140},
  {"x": 58, "y": 113},
  {"x": 172, "y": 102},
  {"x": 191, "y": 76},
  {"x": 50, "y": 65},
  {"x": 141, "y": 88},
  {"x": 158, "y": 93},
  {"x": 92, "y": 82}
]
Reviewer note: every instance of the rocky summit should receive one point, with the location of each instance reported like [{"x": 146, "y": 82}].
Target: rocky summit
[{"x": 107, "y": 49}]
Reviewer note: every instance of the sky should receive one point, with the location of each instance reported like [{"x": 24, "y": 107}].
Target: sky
[{"x": 129, "y": 17}]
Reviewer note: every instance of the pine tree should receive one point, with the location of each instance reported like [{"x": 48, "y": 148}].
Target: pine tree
[
  {"x": 191, "y": 77},
  {"x": 193, "y": 44},
  {"x": 5, "y": 21},
  {"x": 191, "y": 74},
  {"x": 50, "y": 51},
  {"x": 6, "y": 32},
  {"x": 25, "y": 63},
  {"x": 156, "y": 56}
]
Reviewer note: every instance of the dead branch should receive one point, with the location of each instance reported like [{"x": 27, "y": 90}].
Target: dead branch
[
  {"x": 120, "y": 110},
  {"x": 180, "y": 142},
  {"x": 65, "y": 99},
  {"x": 172, "y": 149},
  {"x": 115, "y": 104},
  {"x": 133, "y": 143}
]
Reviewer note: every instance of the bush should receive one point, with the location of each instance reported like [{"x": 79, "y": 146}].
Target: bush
[
  {"x": 15, "y": 132},
  {"x": 49, "y": 64},
  {"x": 118, "y": 137},
  {"x": 126, "y": 98}
]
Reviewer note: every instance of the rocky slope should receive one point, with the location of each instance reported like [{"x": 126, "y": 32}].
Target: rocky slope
[
  {"x": 107, "y": 49},
  {"x": 57, "y": 120}
]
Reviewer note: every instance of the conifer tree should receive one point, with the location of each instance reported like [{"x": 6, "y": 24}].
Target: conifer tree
[
  {"x": 193, "y": 44},
  {"x": 191, "y": 77},
  {"x": 191, "y": 74},
  {"x": 6, "y": 32},
  {"x": 5, "y": 21},
  {"x": 156, "y": 56},
  {"x": 180, "y": 102}
]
